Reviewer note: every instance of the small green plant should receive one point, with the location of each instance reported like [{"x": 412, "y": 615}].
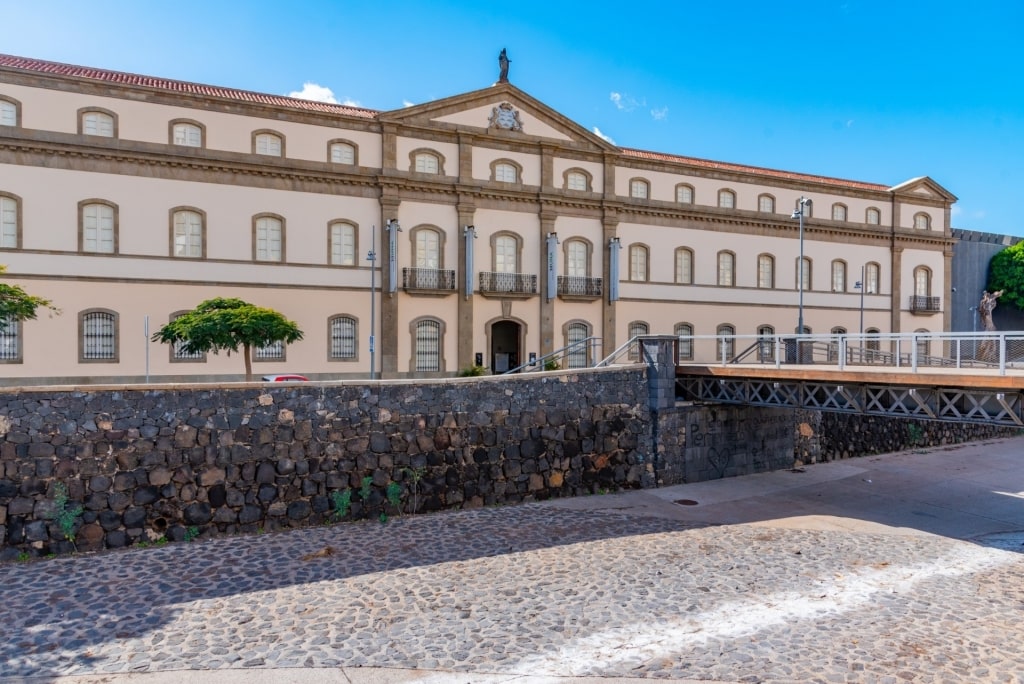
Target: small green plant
[
  {"x": 191, "y": 533},
  {"x": 162, "y": 541},
  {"x": 551, "y": 365},
  {"x": 472, "y": 371},
  {"x": 63, "y": 514},
  {"x": 415, "y": 475},
  {"x": 142, "y": 545},
  {"x": 366, "y": 488},
  {"x": 915, "y": 434},
  {"x": 383, "y": 517},
  {"x": 23, "y": 557},
  {"x": 394, "y": 495},
  {"x": 342, "y": 502}
]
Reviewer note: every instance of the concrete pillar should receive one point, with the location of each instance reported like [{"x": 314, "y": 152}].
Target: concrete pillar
[{"x": 659, "y": 352}]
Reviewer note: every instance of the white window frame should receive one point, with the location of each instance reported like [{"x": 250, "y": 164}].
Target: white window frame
[
  {"x": 99, "y": 228},
  {"x": 98, "y": 123},
  {"x": 506, "y": 254},
  {"x": 766, "y": 204},
  {"x": 576, "y": 259},
  {"x": 726, "y": 199},
  {"x": 684, "y": 266},
  {"x": 684, "y": 194},
  {"x": 872, "y": 216},
  {"x": 839, "y": 212},
  {"x": 639, "y": 263},
  {"x": 873, "y": 276},
  {"x": 726, "y": 269},
  {"x": 8, "y": 113},
  {"x": 765, "y": 271},
  {"x": 269, "y": 144},
  {"x": 838, "y": 276},
  {"x": 639, "y": 189},
  {"x": 188, "y": 234},
  {"x": 187, "y": 134},
  {"x": 506, "y": 173},
  {"x": 343, "y": 153},
  {"x": 576, "y": 180},
  {"x": 343, "y": 243},
  {"x": 426, "y": 162},
  {"x": 269, "y": 239},
  {"x": 428, "y": 248},
  {"x": 8, "y": 222}
]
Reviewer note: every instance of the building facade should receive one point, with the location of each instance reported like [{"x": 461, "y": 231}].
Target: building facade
[{"x": 499, "y": 229}]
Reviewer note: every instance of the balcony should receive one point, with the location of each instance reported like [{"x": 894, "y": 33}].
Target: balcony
[
  {"x": 579, "y": 287},
  {"x": 507, "y": 284},
  {"x": 924, "y": 306},
  {"x": 432, "y": 281}
]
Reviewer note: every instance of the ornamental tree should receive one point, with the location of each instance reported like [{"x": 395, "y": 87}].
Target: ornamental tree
[
  {"x": 1006, "y": 273},
  {"x": 16, "y": 305},
  {"x": 222, "y": 324}
]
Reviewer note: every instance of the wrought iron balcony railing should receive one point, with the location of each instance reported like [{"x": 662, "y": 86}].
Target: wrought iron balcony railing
[
  {"x": 428, "y": 279},
  {"x": 513, "y": 283},
  {"x": 579, "y": 286},
  {"x": 921, "y": 304}
]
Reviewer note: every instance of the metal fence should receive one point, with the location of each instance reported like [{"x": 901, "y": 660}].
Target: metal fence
[{"x": 912, "y": 351}]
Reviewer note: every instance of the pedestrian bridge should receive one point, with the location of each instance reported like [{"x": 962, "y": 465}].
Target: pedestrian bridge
[{"x": 971, "y": 378}]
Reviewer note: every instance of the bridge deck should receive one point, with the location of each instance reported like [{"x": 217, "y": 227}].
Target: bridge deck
[{"x": 975, "y": 378}]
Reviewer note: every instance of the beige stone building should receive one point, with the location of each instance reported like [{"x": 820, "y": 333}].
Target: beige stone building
[{"x": 501, "y": 229}]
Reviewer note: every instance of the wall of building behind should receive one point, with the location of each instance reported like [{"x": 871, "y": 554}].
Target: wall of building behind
[{"x": 971, "y": 256}]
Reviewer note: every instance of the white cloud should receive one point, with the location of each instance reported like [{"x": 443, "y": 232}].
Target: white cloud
[
  {"x": 316, "y": 93},
  {"x": 599, "y": 134},
  {"x": 626, "y": 103},
  {"x": 660, "y": 114},
  {"x": 956, "y": 210},
  {"x": 406, "y": 103},
  {"x": 349, "y": 102}
]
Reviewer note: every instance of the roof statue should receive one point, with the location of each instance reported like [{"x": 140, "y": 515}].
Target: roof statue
[{"x": 503, "y": 62}]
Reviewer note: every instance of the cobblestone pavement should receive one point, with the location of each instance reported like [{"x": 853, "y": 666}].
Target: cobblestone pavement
[{"x": 531, "y": 589}]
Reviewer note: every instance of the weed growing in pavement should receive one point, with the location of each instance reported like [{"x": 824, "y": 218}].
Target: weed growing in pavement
[
  {"x": 366, "y": 488},
  {"x": 65, "y": 515},
  {"x": 23, "y": 557},
  {"x": 394, "y": 495},
  {"x": 191, "y": 533},
  {"x": 342, "y": 502}
]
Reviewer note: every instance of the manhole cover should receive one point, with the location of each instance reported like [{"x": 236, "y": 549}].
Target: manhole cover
[
  {"x": 1007, "y": 541},
  {"x": 686, "y": 502}
]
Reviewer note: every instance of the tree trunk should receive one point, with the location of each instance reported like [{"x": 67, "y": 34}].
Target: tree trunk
[{"x": 247, "y": 355}]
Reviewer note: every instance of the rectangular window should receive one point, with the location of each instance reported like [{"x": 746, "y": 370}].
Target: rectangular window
[
  {"x": 428, "y": 249},
  {"x": 272, "y": 352},
  {"x": 838, "y": 276},
  {"x": 343, "y": 338},
  {"x": 684, "y": 266},
  {"x": 426, "y": 163},
  {"x": 188, "y": 135},
  {"x": 765, "y": 272},
  {"x": 98, "y": 228},
  {"x": 726, "y": 275},
  {"x": 805, "y": 274},
  {"x": 638, "y": 189},
  {"x": 505, "y": 173},
  {"x": 685, "y": 334},
  {"x": 684, "y": 194},
  {"x": 188, "y": 234},
  {"x": 98, "y": 123},
  {"x": 343, "y": 244},
  {"x": 428, "y": 346},
  {"x": 766, "y": 204},
  {"x": 637, "y": 263},
  {"x": 871, "y": 276},
  {"x": 636, "y": 329},
  {"x": 8, "y": 223},
  {"x": 99, "y": 342},
  {"x": 576, "y": 259},
  {"x": 576, "y": 181},
  {"x": 505, "y": 255},
  {"x": 8, "y": 114},
  {"x": 342, "y": 153},
  {"x": 268, "y": 143},
  {"x": 268, "y": 239},
  {"x": 576, "y": 357}
]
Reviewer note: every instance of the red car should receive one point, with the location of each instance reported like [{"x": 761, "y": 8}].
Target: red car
[{"x": 285, "y": 377}]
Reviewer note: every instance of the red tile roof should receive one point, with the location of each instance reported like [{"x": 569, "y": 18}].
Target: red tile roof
[
  {"x": 725, "y": 166},
  {"x": 41, "y": 66}
]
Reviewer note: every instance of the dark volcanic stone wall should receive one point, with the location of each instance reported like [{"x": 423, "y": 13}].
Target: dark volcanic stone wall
[{"x": 174, "y": 462}]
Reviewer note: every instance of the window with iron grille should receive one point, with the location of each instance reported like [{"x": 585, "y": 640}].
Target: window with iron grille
[
  {"x": 10, "y": 340},
  {"x": 99, "y": 336},
  {"x": 765, "y": 343},
  {"x": 272, "y": 352},
  {"x": 428, "y": 346},
  {"x": 637, "y": 328},
  {"x": 343, "y": 338},
  {"x": 924, "y": 346},
  {"x": 575, "y": 334},
  {"x": 684, "y": 331}
]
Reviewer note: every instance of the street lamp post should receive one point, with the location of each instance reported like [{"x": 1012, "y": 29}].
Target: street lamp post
[{"x": 799, "y": 214}]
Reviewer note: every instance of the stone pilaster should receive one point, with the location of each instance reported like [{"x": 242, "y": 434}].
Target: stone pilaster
[
  {"x": 547, "y": 299},
  {"x": 464, "y": 328},
  {"x": 387, "y": 343}
]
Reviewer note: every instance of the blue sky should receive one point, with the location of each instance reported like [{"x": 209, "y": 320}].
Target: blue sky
[{"x": 878, "y": 91}]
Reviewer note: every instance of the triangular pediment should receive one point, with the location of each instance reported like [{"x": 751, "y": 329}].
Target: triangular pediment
[
  {"x": 925, "y": 188},
  {"x": 501, "y": 110}
]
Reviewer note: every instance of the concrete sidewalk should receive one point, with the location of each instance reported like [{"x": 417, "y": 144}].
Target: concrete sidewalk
[{"x": 965, "y": 492}]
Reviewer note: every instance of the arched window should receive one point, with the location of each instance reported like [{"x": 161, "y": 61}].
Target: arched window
[
  {"x": 10, "y": 112},
  {"x": 269, "y": 143},
  {"x": 577, "y": 355},
  {"x": 872, "y": 278},
  {"x": 97, "y": 336},
  {"x": 684, "y": 265},
  {"x": 577, "y": 179},
  {"x": 342, "y": 243},
  {"x": 268, "y": 238},
  {"x": 922, "y": 282},
  {"x": 427, "y": 338},
  {"x": 504, "y": 172},
  {"x": 803, "y": 274},
  {"x": 102, "y": 123},
  {"x": 187, "y": 233},
  {"x": 636, "y": 329},
  {"x": 424, "y": 161},
  {"x": 838, "y": 212},
  {"x": 342, "y": 152},
  {"x": 275, "y": 351},
  {"x": 766, "y": 204},
  {"x": 684, "y": 194},
  {"x": 839, "y": 276},
  {"x": 684, "y": 331},
  {"x": 10, "y": 221},
  {"x": 187, "y": 133},
  {"x": 427, "y": 247},
  {"x": 638, "y": 263},
  {"x": 577, "y": 259},
  {"x": 922, "y": 221},
  {"x": 177, "y": 349},
  {"x": 97, "y": 222},
  {"x": 872, "y": 216},
  {"x": 726, "y": 333},
  {"x": 343, "y": 336},
  {"x": 639, "y": 188},
  {"x": 766, "y": 271},
  {"x": 833, "y": 343},
  {"x": 765, "y": 343},
  {"x": 506, "y": 254},
  {"x": 726, "y": 199},
  {"x": 726, "y": 269},
  {"x": 872, "y": 343},
  {"x": 923, "y": 344}
]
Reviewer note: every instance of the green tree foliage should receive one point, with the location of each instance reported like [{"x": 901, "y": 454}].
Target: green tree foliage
[
  {"x": 222, "y": 324},
  {"x": 17, "y": 305},
  {"x": 1006, "y": 273}
]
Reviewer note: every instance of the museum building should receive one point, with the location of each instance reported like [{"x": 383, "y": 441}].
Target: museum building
[{"x": 483, "y": 228}]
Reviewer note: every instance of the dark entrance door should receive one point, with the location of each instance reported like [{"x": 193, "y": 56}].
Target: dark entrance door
[{"x": 504, "y": 346}]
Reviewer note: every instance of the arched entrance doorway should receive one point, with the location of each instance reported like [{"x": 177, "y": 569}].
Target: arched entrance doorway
[{"x": 505, "y": 352}]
